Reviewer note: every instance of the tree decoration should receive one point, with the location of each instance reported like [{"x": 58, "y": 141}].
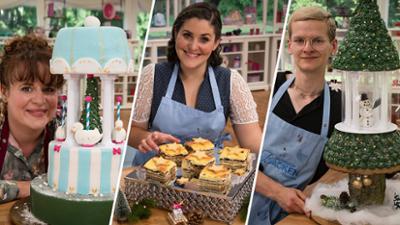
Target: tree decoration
[
  {"x": 141, "y": 210},
  {"x": 363, "y": 152},
  {"x": 367, "y": 45},
  {"x": 93, "y": 92},
  {"x": 122, "y": 209},
  {"x": 366, "y": 145}
]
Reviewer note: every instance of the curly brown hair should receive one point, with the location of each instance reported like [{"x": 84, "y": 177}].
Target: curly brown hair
[
  {"x": 204, "y": 11},
  {"x": 26, "y": 59}
]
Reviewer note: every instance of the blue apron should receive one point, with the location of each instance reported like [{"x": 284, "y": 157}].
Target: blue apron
[
  {"x": 289, "y": 157},
  {"x": 184, "y": 122}
]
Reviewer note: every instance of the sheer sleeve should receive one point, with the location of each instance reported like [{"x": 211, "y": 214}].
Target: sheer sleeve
[
  {"x": 144, "y": 95},
  {"x": 243, "y": 107}
]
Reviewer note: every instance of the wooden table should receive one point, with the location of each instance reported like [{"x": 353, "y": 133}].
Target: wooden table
[
  {"x": 159, "y": 216},
  {"x": 298, "y": 219},
  {"x": 5, "y": 213}
]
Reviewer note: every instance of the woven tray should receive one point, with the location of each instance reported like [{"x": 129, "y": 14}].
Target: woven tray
[{"x": 215, "y": 206}]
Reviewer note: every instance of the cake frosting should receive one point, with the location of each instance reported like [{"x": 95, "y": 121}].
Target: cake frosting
[{"x": 94, "y": 50}]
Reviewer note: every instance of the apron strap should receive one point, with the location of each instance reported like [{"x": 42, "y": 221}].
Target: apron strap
[
  {"x": 214, "y": 88},
  {"x": 172, "y": 81},
  {"x": 282, "y": 89},
  {"x": 326, "y": 107}
]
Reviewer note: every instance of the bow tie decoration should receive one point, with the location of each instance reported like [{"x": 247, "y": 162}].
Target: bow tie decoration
[
  {"x": 116, "y": 151},
  {"x": 57, "y": 148}
]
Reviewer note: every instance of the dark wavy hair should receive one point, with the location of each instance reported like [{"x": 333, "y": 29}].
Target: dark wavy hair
[
  {"x": 204, "y": 11},
  {"x": 27, "y": 59}
]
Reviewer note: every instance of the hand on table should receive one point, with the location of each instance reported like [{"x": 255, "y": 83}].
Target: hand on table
[
  {"x": 292, "y": 200},
  {"x": 154, "y": 139},
  {"x": 24, "y": 189}
]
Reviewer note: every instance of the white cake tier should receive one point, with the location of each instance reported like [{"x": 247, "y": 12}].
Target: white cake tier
[
  {"x": 389, "y": 127},
  {"x": 84, "y": 170}
]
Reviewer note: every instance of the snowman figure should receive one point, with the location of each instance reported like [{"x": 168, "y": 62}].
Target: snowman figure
[{"x": 365, "y": 112}]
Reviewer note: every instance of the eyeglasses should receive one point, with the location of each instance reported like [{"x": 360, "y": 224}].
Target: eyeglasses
[{"x": 317, "y": 44}]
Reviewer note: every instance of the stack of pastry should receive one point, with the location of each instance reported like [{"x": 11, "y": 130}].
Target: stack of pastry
[
  {"x": 236, "y": 159},
  {"x": 215, "y": 178},
  {"x": 195, "y": 162},
  {"x": 174, "y": 152},
  {"x": 160, "y": 169},
  {"x": 200, "y": 144}
]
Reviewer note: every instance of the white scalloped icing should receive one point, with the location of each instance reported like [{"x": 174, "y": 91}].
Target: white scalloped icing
[
  {"x": 115, "y": 66},
  {"x": 86, "y": 65},
  {"x": 59, "y": 66},
  {"x": 90, "y": 65}
]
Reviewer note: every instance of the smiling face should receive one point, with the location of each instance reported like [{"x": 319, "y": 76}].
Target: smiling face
[
  {"x": 310, "y": 46},
  {"x": 30, "y": 106},
  {"x": 195, "y": 41}
]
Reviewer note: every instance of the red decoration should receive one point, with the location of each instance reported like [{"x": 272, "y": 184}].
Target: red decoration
[
  {"x": 109, "y": 11},
  {"x": 57, "y": 148},
  {"x": 116, "y": 151}
]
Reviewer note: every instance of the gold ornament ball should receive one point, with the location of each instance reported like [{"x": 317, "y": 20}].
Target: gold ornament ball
[
  {"x": 357, "y": 184},
  {"x": 367, "y": 182}
]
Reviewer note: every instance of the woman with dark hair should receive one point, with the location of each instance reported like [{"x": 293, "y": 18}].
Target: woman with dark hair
[
  {"x": 191, "y": 95},
  {"x": 27, "y": 110}
]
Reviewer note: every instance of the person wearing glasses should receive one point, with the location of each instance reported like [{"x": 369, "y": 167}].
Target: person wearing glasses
[
  {"x": 28, "y": 107},
  {"x": 191, "y": 95},
  {"x": 302, "y": 116}
]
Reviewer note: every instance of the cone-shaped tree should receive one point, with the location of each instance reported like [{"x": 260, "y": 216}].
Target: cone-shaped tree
[
  {"x": 367, "y": 45},
  {"x": 94, "y": 115}
]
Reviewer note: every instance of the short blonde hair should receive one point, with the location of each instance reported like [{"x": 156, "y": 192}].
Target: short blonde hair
[{"x": 314, "y": 13}]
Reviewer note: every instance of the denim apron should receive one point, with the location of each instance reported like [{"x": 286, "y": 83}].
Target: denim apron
[
  {"x": 289, "y": 157},
  {"x": 184, "y": 122}
]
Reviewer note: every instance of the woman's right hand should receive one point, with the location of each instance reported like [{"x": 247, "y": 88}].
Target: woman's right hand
[{"x": 154, "y": 139}]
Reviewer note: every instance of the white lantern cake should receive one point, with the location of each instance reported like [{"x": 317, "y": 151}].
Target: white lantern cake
[{"x": 83, "y": 170}]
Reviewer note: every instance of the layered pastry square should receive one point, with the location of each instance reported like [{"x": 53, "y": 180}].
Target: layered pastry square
[
  {"x": 215, "y": 178},
  {"x": 235, "y": 158},
  {"x": 160, "y": 169},
  {"x": 174, "y": 152},
  {"x": 200, "y": 144},
  {"x": 195, "y": 162}
]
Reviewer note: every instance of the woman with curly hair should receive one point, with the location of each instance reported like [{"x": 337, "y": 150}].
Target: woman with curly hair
[
  {"x": 27, "y": 112},
  {"x": 191, "y": 95}
]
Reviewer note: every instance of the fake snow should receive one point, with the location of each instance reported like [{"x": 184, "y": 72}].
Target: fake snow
[{"x": 371, "y": 215}]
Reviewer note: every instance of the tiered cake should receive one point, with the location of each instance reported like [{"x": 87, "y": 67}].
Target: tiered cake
[
  {"x": 366, "y": 145},
  {"x": 82, "y": 174}
]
